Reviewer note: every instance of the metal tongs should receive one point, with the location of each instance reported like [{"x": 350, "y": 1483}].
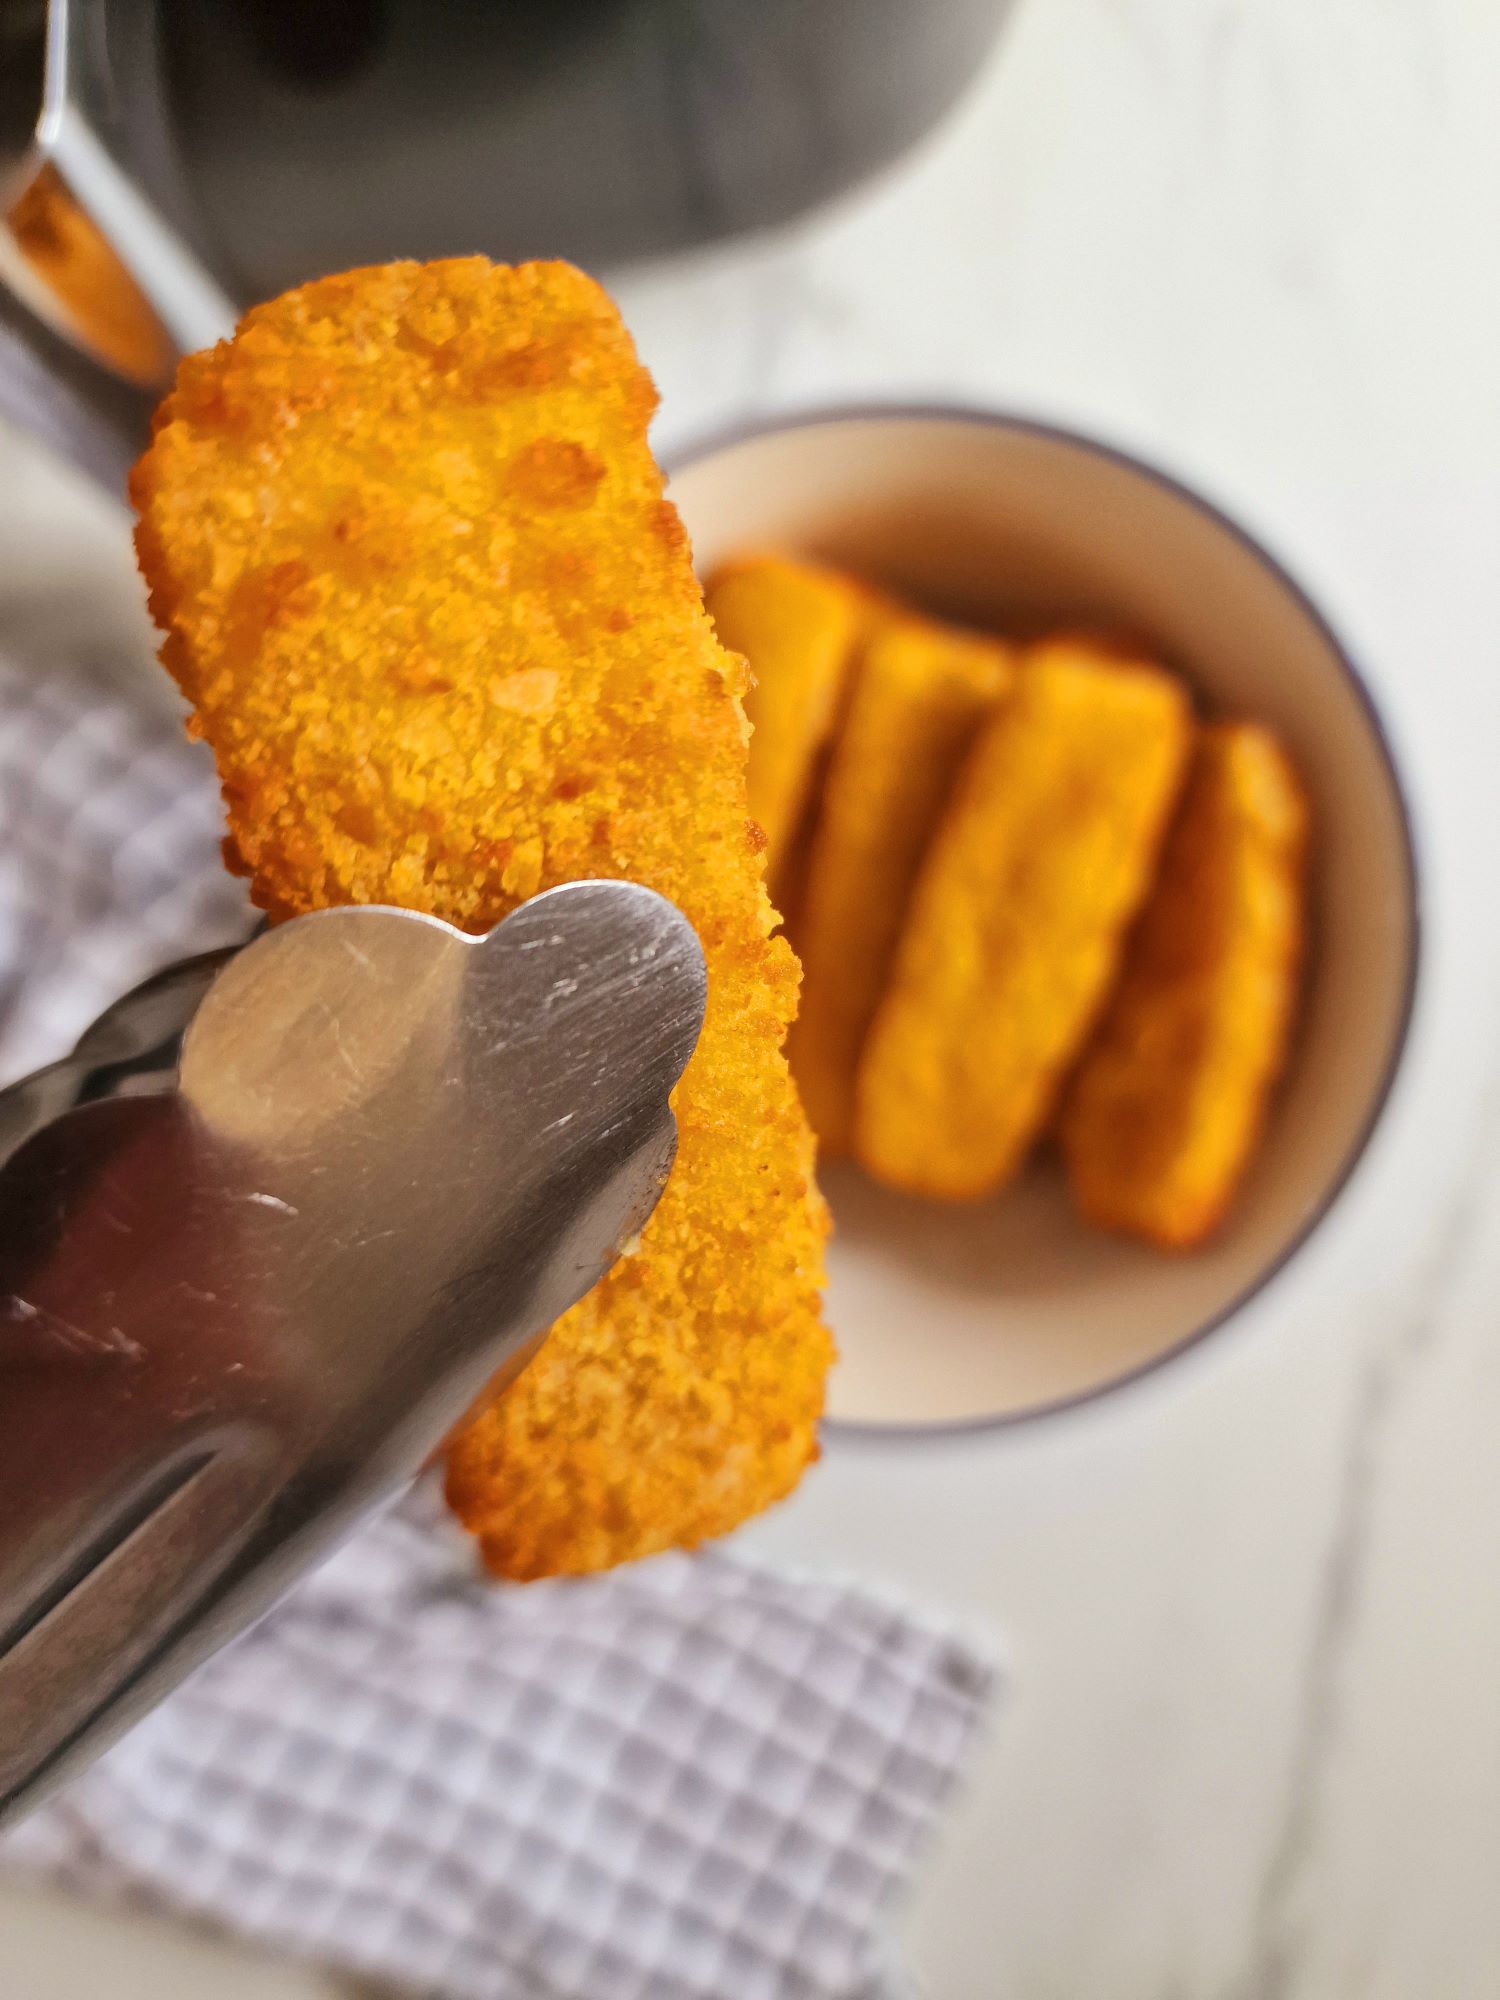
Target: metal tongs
[{"x": 264, "y": 1239}]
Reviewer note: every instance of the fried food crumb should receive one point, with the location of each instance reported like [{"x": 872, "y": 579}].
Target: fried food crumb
[
  {"x": 798, "y": 625},
  {"x": 409, "y": 548},
  {"x": 920, "y": 692},
  {"x": 1164, "y": 1112},
  {"x": 1017, "y": 920}
]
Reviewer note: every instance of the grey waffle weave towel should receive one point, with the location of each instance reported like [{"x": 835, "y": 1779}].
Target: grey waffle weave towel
[
  {"x": 697, "y": 1779},
  {"x": 109, "y": 855}
]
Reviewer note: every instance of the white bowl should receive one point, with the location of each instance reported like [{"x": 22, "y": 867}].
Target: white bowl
[{"x": 954, "y": 1316}]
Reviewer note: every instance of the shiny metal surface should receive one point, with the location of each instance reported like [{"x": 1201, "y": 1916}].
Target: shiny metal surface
[
  {"x": 243, "y": 1299},
  {"x": 23, "y": 69},
  {"x": 227, "y": 151},
  {"x": 82, "y": 117},
  {"x": 77, "y": 407},
  {"x": 85, "y": 132}
]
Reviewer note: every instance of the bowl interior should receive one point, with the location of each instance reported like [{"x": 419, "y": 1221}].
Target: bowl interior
[{"x": 949, "y": 1315}]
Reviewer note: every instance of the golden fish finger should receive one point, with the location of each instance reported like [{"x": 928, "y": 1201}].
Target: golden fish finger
[
  {"x": 1014, "y": 930},
  {"x": 798, "y": 625},
  {"x": 1160, "y": 1120},
  {"x": 409, "y": 548},
  {"x": 919, "y": 695}
]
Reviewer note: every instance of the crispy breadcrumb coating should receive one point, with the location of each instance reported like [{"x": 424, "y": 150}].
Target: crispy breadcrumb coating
[
  {"x": 1016, "y": 923},
  {"x": 409, "y": 548},
  {"x": 798, "y": 625},
  {"x": 1166, "y": 1107},
  {"x": 919, "y": 696}
]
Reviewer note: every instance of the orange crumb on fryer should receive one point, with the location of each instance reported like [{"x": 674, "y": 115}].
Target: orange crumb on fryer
[
  {"x": 409, "y": 548},
  {"x": 1016, "y": 923},
  {"x": 85, "y": 279},
  {"x": 1164, "y": 1111},
  {"x": 797, "y": 624},
  {"x": 919, "y": 696}
]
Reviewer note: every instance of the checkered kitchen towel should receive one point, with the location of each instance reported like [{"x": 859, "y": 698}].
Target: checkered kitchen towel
[
  {"x": 696, "y": 1779},
  {"x": 109, "y": 855}
]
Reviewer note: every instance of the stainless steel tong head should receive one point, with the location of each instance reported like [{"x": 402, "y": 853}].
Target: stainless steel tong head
[{"x": 245, "y": 1294}]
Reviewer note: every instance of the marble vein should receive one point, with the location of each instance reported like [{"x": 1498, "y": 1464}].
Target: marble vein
[{"x": 1274, "y": 1958}]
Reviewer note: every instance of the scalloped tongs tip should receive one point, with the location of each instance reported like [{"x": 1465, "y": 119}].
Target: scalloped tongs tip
[{"x": 266, "y": 1237}]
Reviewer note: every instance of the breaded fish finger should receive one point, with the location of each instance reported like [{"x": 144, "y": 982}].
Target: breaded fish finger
[
  {"x": 798, "y": 625},
  {"x": 1016, "y": 923},
  {"x": 410, "y": 551},
  {"x": 1160, "y": 1120},
  {"x": 919, "y": 695}
]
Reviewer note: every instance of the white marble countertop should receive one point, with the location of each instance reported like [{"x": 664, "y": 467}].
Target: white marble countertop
[{"x": 1252, "y": 1607}]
